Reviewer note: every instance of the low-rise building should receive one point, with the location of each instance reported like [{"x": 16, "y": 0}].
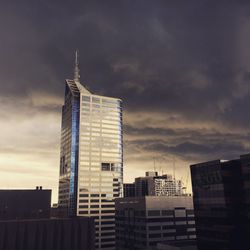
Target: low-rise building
[
  {"x": 25, "y": 203},
  {"x": 142, "y": 222},
  {"x": 48, "y": 234}
]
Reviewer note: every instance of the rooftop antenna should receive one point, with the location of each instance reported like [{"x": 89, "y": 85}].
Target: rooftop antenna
[{"x": 77, "y": 69}]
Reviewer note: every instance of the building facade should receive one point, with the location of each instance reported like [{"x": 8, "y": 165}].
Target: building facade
[
  {"x": 142, "y": 222},
  {"x": 154, "y": 185},
  {"x": 91, "y": 161},
  {"x": 221, "y": 203},
  {"x": 48, "y": 234},
  {"x": 25, "y": 203}
]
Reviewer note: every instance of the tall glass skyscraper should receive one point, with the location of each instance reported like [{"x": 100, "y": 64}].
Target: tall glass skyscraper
[{"x": 91, "y": 159}]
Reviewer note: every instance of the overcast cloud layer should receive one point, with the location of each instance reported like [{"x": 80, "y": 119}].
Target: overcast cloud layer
[{"x": 182, "y": 69}]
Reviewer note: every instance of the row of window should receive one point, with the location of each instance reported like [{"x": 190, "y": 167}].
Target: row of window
[{"x": 98, "y": 99}]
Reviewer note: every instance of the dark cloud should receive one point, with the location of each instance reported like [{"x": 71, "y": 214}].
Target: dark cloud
[
  {"x": 186, "y": 144},
  {"x": 188, "y": 60},
  {"x": 171, "y": 57}
]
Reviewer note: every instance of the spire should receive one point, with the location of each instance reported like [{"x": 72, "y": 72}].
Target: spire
[{"x": 77, "y": 70}]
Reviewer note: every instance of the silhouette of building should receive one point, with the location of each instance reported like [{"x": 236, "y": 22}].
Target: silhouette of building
[
  {"x": 25, "y": 203},
  {"x": 142, "y": 222},
  {"x": 222, "y": 203},
  {"x": 48, "y": 234},
  {"x": 91, "y": 160}
]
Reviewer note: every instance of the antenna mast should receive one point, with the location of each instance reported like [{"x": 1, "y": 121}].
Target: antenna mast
[{"x": 77, "y": 69}]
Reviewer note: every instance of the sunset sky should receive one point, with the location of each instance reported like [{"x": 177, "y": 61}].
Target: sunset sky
[{"x": 182, "y": 69}]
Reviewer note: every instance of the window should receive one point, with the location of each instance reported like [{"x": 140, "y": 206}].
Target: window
[
  {"x": 83, "y": 212},
  {"x": 105, "y": 166},
  {"x": 154, "y": 228},
  {"x": 167, "y": 213},
  {"x": 94, "y": 200},
  {"x": 154, "y": 236},
  {"x": 83, "y": 201},
  {"x": 108, "y": 211},
  {"x": 83, "y": 206},
  {"x": 95, "y": 100},
  {"x": 108, "y": 217},
  {"x": 106, "y": 206},
  {"x": 180, "y": 212},
  {"x": 94, "y": 195},
  {"x": 153, "y": 213},
  {"x": 84, "y": 195},
  {"x": 107, "y": 228},
  {"x": 94, "y": 211},
  {"x": 86, "y": 98},
  {"x": 107, "y": 223}
]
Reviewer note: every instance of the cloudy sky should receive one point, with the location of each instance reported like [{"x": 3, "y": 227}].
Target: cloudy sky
[{"x": 182, "y": 69}]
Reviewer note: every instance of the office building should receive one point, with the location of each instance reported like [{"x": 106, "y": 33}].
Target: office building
[
  {"x": 142, "y": 222},
  {"x": 47, "y": 234},
  {"x": 25, "y": 203},
  {"x": 154, "y": 185},
  {"x": 91, "y": 159},
  {"x": 221, "y": 203}
]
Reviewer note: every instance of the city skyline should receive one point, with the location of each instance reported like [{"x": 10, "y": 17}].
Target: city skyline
[{"x": 182, "y": 71}]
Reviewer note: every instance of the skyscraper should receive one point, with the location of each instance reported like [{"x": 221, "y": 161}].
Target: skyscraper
[{"x": 91, "y": 159}]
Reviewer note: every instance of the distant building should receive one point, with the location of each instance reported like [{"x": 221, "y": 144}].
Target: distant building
[
  {"x": 221, "y": 193},
  {"x": 142, "y": 222},
  {"x": 48, "y": 234},
  {"x": 129, "y": 190},
  {"x": 154, "y": 185},
  {"x": 25, "y": 203}
]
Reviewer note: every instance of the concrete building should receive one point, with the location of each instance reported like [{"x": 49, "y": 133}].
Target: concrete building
[
  {"x": 25, "y": 203},
  {"x": 91, "y": 160},
  {"x": 222, "y": 203},
  {"x": 142, "y": 222},
  {"x": 154, "y": 185},
  {"x": 48, "y": 234}
]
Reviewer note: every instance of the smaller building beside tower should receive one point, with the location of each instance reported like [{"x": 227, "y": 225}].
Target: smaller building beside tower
[
  {"x": 26, "y": 224},
  {"x": 221, "y": 193},
  {"x": 142, "y": 222},
  {"x": 25, "y": 203}
]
